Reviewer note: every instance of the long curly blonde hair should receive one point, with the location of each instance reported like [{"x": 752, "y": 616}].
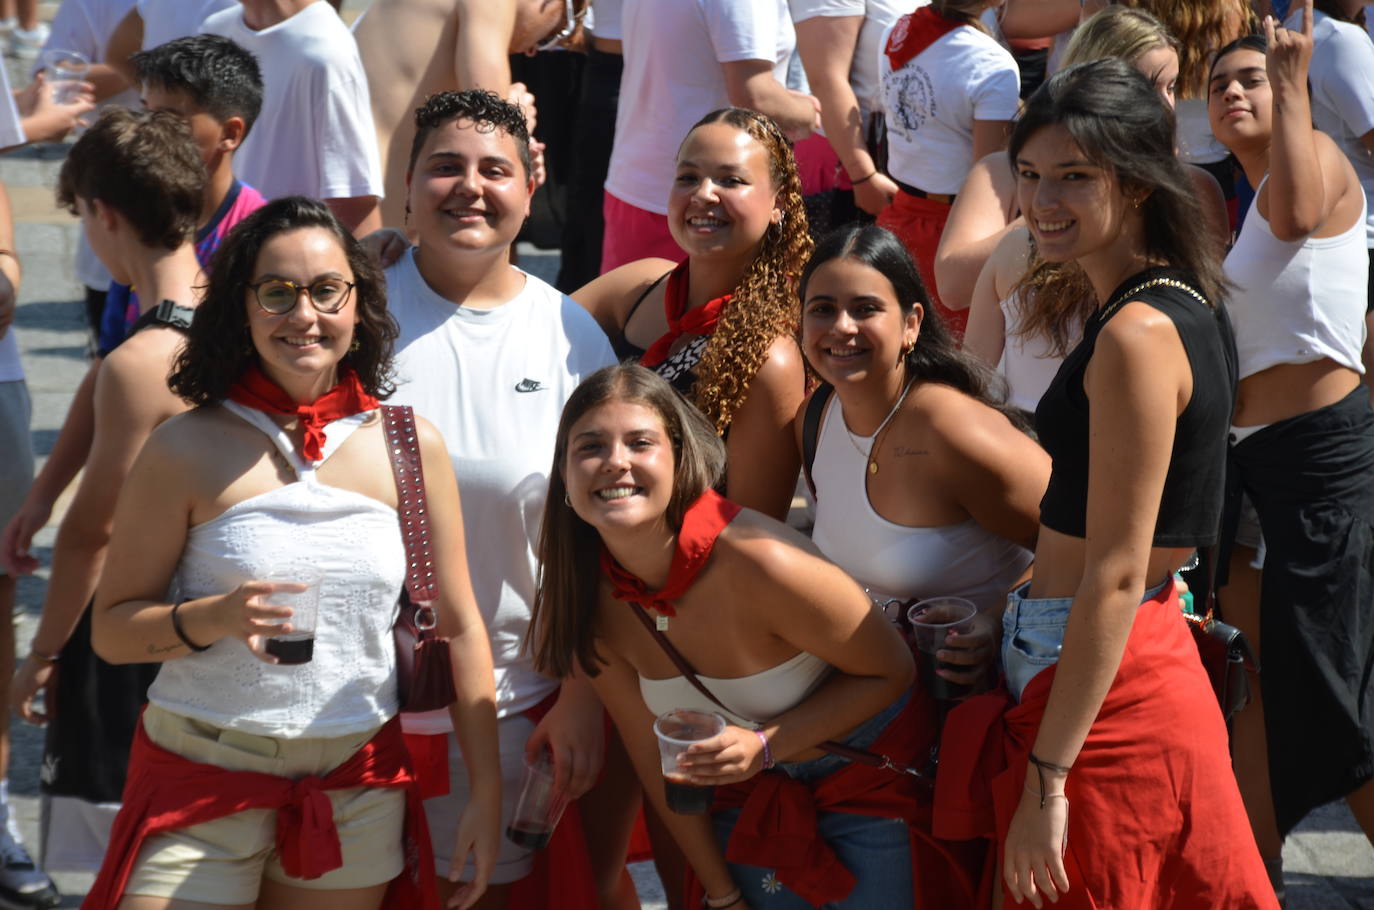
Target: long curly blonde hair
[
  {"x": 764, "y": 306},
  {"x": 1201, "y": 26}
]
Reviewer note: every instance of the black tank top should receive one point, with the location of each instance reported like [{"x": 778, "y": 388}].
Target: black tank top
[
  {"x": 680, "y": 368},
  {"x": 1190, "y": 507}
]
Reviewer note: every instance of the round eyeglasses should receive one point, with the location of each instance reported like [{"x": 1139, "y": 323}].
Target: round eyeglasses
[{"x": 278, "y": 295}]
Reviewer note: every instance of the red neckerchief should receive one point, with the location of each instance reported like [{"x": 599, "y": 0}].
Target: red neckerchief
[
  {"x": 165, "y": 791},
  {"x": 681, "y": 321},
  {"x": 255, "y": 390},
  {"x": 702, "y": 524},
  {"x": 915, "y": 32}
]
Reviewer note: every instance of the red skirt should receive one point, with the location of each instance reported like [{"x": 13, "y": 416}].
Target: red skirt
[{"x": 1155, "y": 817}]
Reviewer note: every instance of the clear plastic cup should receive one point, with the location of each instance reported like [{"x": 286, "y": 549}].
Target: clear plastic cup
[
  {"x": 931, "y": 621},
  {"x": 677, "y": 731},
  {"x": 298, "y": 645},
  {"x": 540, "y": 807},
  {"x": 65, "y": 71}
]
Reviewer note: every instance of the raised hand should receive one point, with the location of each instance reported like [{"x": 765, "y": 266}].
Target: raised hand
[{"x": 1289, "y": 52}]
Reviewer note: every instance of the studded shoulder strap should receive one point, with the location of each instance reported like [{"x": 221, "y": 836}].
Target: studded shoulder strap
[{"x": 404, "y": 448}]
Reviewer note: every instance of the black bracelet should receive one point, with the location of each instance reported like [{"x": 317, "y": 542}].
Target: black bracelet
[
  {"x": 181, "y": 633},
  {"x": 1040, "y": 767},
  {"x": 853, "y": 182}
]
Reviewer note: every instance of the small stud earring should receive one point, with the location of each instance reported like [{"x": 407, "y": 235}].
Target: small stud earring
[{"x": 355, "y": 347}]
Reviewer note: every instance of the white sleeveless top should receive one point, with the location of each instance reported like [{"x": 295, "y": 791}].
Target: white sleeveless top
[
  {"x": 354, "y": 541},
  {"x": 754, "y": 700},
  {"x": 1297, "y": 301},
  {"x": 1027, "y": 363},
  {"x": 894, "y": 561}
]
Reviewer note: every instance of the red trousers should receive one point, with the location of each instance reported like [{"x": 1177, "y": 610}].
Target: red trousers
[{"x": 918, "y": 223}]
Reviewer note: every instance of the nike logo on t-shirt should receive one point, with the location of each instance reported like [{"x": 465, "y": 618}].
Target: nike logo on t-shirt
[{"x": 529, "y": 385}]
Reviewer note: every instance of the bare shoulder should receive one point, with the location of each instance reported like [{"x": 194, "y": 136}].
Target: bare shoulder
[
  {"x": 432, "y": 445},
  {"x": 1011, "y": 256},
  {"x": 766, "y": 549},
  {"x": 609, "y": 297},
  {"x": 783, "y": 362},
  {"x": 1132, "y": 337},
  {"x": 200, "y": 436},
  {"x": 144, "y": 356},
  {"x": 960, "y": 426}
]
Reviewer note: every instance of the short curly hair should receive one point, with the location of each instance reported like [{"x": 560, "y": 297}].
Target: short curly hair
[
  {"x": 219, "y": 76},
  {"x": 218, "y": 349},
  {"x": 146, "y": 167},
  {"x": 485, "y": 109}
]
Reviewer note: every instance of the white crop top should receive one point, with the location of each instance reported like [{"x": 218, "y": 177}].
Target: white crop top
[
  {"x": 355, "y": 542},
  {"x": 1298, "y": 301},
  {"x": 896, "y": 561},
  {"x": 754, "y": 700},
  {"x": 1027, "y": 363}
]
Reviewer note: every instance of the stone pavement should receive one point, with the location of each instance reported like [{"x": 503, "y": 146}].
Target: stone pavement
[{"x": 1330, "y": 865}]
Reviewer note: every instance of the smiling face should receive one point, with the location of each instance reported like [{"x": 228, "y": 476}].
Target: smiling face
[
  {"x": 853, "y": 327},
  {"x": 1239, "y": 100},
  {"x": 723, "y": 198},
  {"x": 619, "y": 468},
  {"x": 302, "y": 347},
  {"x": 1074, "y": 208},
  {"x": 1160, "y": 66},
  {"x": 469, "y": 190}
]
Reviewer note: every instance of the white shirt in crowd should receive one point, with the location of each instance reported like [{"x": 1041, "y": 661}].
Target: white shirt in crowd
[
  {"x": 315, "y": 135},
  {"x": 669, "y": 48},
  {"x": 1341, "y": 79},
  {"x": 930, "y": 105},
  {"x": 606, "y": 19},
  {"x": 494, "y": 383},
  {"x": 878, "y": 16},
  {"x": 168, "y": 20}
]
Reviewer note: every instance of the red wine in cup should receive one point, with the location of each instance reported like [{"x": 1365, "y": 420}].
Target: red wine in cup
[
  {"x": 291, "y": 650},
  {"x": 687, "y": 799},
  {"x": 528, "y": 838}
]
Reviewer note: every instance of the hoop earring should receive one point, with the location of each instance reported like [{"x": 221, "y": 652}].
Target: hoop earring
[{"x": 566, "y": 501}]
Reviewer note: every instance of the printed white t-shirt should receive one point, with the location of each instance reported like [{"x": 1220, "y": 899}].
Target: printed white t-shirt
[
  {"x": 878, "y": 16},
  {"x": 168, "y": 20},
  {"x": 673, "y": 51},
  {"x": 494, "y": 383},
  {"x": 315, "y": 135},
  {"x": 1341, "y": 78},
  {"x": 930, "y": 105}
]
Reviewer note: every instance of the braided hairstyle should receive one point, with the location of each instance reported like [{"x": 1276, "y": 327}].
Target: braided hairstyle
[{"x": 764, "y": 305}]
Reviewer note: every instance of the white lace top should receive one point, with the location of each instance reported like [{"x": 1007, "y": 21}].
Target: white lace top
[{"x": 354, "y": 542}]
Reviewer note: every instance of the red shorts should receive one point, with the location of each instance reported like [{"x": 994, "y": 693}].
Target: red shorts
[
  {"x": 918, "y": 223},
  {"x": 633, "y": 233}
]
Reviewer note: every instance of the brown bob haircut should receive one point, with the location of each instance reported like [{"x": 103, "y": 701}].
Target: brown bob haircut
[
  {"x": 144, "y": 165},
  {"x": 563, "y": 627}
]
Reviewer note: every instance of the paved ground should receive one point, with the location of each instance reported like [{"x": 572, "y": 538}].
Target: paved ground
[{"x": 1330, "y": 865}]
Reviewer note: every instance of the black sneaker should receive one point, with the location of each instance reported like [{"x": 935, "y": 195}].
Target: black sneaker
[{"x": 23, "y": 886}]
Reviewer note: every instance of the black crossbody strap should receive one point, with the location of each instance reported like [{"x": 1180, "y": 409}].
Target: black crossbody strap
[{"x": 811, "y": 430}]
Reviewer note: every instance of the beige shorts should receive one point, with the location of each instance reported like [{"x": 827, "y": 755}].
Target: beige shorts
[{"x": 224, "y": 861}]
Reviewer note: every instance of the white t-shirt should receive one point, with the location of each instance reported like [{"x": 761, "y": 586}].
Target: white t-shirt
[
  {"x": 1341, "y": 78},
  {"x": 315, "y": 135},
  {"x": 1196, "y": 144},
  {"x": 930, "y": 105},
  {"x": 606, "y": 23},
  {"x": 494, "y": 383},
  {"x": 168, "y": 20},
  {"x": 671, "y": 81},
  {"x": 878, "y": 16}
]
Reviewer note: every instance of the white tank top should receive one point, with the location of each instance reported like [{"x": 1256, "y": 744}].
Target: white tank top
[
  {"x": 1298, "y": 301},
  {"x": 355, "y": 542},
  {"x": 754, "y": 700},
  {"x": 894, "y": 561},
  {"x": 1027, "y": 363}
]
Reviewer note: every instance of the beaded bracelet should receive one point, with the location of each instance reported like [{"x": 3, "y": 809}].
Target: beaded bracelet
[{"x": 767, "y": 751}]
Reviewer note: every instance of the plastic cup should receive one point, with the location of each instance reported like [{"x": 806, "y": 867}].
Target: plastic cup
[
  {"x": 65, "y": 70},
  {"x": 540, "y": 807},
  {"x": 931, "y": 620},
  {"x": 676, "y": 731},
  {"x": 298, "y": 645}
]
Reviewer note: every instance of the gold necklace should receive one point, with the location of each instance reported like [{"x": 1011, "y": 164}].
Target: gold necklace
[
  {"x": 869, "y": 456},
  {"x": 1121, "y": 299}
]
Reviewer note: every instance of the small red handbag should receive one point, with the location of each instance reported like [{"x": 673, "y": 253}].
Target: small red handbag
[{"x": 424, "y": 667}]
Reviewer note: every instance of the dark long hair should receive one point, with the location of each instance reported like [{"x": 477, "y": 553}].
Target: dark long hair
[
  {"x": 562, "y": 630},
  {"x": 1119, "y": 122},
  {"x": 934, "y": 357},
  {"x": 218, "y": 349}
]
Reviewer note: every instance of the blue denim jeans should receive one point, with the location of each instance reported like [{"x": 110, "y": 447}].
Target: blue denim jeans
[
  {"x": 1032, "y": 633},
  {"x": 876, "y": 850}
]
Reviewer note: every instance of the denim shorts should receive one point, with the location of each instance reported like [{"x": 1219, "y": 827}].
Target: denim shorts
[
  {"x": 877, "y": 850},
  {"x": 1032, "y": 633}
]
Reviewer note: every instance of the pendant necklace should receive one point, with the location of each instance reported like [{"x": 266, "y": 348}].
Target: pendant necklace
[{"x": 869, "y": 456}]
